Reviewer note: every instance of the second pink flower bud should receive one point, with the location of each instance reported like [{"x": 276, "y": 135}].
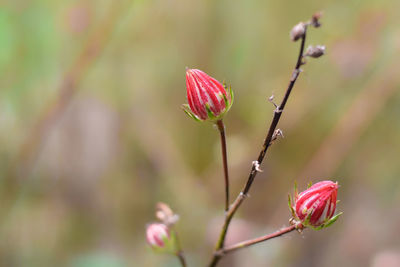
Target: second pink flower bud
[
  {"x": 161, "y": 238},
  {"x": 316, "y": 206}
]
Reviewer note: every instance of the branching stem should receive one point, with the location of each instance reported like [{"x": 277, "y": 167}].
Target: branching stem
[
  {"x": 254, "y": 241},
  {"x": 254, "y": 169}
]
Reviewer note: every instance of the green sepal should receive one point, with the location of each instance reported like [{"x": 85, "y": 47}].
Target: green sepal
[
  {"x": 308, "y": 218},
  {"x": 332, "y": 220},
  {"x": 326, "y": 224},
  {"x": 228, "y": 104},
  {"x": 290, "y": 206},
  {"x": 316, "y": 228},
  {"x": 170, "y": 244},
  {"x": 232, "y": 96},
  {"x": 295, "y": 190},
  {"x": 309, "y": 185},
  {"x": 210, "y": 114},
  {"x": 186, "y": 109}
]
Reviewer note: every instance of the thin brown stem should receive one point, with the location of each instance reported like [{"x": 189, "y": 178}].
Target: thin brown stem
[
  {"x": 179, "y": 252},
  {"x": 255, "y": 166},
  {"x": 257, "y": 240},
  {"x": 221, "y": 128},
  {"x": 181, "y": 258}
]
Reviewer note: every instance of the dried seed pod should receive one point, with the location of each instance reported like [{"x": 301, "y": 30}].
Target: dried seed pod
[
  {"x": 298, "y": 31},
  {"x": 315, "y": 51}
]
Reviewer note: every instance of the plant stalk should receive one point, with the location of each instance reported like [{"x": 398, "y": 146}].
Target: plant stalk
[
  {"x": 254, "y": 170},
  {"x": 179, "y": 252},
  {"x": 257, "y": 240},
  {"x": 181, "y": 258},
  {"x": 221, "y": 128}
]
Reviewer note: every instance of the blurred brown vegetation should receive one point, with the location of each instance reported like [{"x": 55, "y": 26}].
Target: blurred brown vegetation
[{"x": 92, "y": 135}]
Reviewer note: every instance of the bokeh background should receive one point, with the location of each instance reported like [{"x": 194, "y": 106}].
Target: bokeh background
[{"x": 92, "y": 135}]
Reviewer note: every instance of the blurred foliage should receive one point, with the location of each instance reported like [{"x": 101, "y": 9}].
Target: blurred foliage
[{"x": 82, "y": 169}]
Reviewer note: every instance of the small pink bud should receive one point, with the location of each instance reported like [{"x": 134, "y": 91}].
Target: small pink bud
[
  {"x": 160, "y": 238},
  {"x": 208, "y": 98},
  {"x": 298, "y": 31},
  {"x": 316, "y": 205}
]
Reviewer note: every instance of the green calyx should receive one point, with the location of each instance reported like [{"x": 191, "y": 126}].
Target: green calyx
[
  {"x": 170, "y": 244},
  {"x": 306, "y": 222},
  {"x": 188, "y": 111},
  {"x": 327, "y": 222},
  {"x": 210, "y": 115},
  {"x": 228, "y": 104},
  {"x": 291, "y": 207}
]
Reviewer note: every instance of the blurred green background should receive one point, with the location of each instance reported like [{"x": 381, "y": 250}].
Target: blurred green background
[{"x": 92, "y": 135}]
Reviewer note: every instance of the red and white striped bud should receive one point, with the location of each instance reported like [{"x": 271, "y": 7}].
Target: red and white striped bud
[
  {"x": 160, "y": 238},
  {"x": 316, "y": 206},
  {"x": 208, "y": 99}
]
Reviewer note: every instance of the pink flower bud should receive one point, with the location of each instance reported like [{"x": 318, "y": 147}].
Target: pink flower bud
[
  {"x": 208, "y": 98},
  {"x": 316, "y": 206},
  {"x": 160, "y": 238}
]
